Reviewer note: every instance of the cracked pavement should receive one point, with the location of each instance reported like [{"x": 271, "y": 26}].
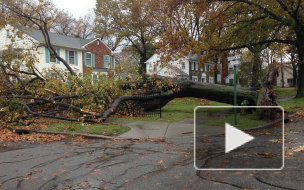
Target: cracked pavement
[{"x": 133, "y": 164}]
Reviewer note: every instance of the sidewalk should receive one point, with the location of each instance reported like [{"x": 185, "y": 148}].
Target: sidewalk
[
  {"x": 144, "y": 129},
  {"x": 141, "y": 129}
]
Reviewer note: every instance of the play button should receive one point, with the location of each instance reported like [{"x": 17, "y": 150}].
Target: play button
[
  {"x": 235, "y": 138},
  {"x": 220, "y": 146}
]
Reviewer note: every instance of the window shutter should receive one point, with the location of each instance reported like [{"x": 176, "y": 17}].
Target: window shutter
[
  {"x": 47, "y": 55},
  {"x": 104, "y": 62},
  {"x": 67, "y": 56},
  {"x": 76, "y": 58},
  {"x": 111, "y": 61},
  {"x": 85, "y": 59},
  {"x": 58, "y": 53},
  {"x": 93, "y": 59}
]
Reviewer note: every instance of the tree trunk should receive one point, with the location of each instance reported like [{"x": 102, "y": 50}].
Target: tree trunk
[
  {"x": 214, "y": 92},
  {"x": 300, "y": 82},
  {"x": 255, "y": 72},
  {"x": 269, "y": 98},
  {"x": 294, "y": 74}
]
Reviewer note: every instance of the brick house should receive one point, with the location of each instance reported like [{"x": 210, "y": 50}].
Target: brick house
[{"x": 97, "y": 56}]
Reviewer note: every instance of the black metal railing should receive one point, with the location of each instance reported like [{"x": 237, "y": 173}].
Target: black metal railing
[{"x": 142, "y": 105}]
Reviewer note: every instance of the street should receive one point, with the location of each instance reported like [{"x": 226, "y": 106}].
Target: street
[{"x": 138, "y": 164}]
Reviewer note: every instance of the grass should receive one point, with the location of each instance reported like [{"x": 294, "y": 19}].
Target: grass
[
  {"x": 292, "y": 105},
  {"x": 179, "y": 109},
  {"x": 99, "y": 129},
  {"x": 243, "y": 121},
  {"x": 285, "y": 92}
]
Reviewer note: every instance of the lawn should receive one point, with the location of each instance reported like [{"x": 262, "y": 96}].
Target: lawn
[
  {"x": 99, "y": 129},
  {"x": 285, "y": 92},
  {"x": 292, "y": 105},
  {"x": 178, "y": 109},
  {"x": 47, "y": 124},
  {"x": 243, "y": 121}
]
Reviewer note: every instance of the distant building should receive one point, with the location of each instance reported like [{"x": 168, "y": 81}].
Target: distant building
[
  {"x": 174, "y": 69},
  {"x": 287, "y": 76},
  {"x": 232, "y": 61}
]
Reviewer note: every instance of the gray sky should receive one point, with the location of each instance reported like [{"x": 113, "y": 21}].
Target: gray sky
[{"x": 76, "y": 7}]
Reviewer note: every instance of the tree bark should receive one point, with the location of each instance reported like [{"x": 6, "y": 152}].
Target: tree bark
[
  {"x": 300, "y": 81},
  {"x": 269, "y": 97}
]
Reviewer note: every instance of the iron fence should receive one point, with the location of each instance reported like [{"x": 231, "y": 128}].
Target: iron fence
[{"x": 142, "y": 105}]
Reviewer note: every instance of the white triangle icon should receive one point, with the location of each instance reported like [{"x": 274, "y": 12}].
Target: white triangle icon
[{"x": 235, "y": 138}]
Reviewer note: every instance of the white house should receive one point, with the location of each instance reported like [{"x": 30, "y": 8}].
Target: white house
[
  {"x": 232, "y": 61},
  {"x": 174, "y": 69},
  {"x": 68, "y": 48},
  {"x": 287, "y": 76}
]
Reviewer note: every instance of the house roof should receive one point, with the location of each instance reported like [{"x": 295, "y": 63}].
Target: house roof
[
  {"x": 86, "y": 41},
  {"x": 60, "y": 40}
]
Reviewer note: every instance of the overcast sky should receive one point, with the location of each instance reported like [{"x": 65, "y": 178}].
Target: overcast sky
[{"x": 76, "y": 7}]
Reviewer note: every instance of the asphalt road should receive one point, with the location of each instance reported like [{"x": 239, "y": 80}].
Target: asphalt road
[{"x": 157, "y": 164}]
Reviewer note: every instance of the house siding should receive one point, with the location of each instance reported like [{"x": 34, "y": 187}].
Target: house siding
[
  {"x": 99, "y": 51},
  {"x": 42, "y": 64}
]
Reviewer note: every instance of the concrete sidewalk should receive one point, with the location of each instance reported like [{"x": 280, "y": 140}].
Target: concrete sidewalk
[{"x": 143, "y": 129}]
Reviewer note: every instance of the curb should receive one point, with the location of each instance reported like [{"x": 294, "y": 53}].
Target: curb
[{"x": 89, "y": 136}]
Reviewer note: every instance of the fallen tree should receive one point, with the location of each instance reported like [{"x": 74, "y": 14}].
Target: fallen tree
[
  {"x": 214, "y": 92},
  {"x": 72, "y": 98},
  {"x": 63, "y": 106}
]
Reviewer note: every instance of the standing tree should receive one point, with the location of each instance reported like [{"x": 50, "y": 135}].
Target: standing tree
[
  {"x": 129, "y": 22},
  {"x": 244, "y": 23},
  {"x": 63, "y": 23},
  {"x": 84, "y": 26}
]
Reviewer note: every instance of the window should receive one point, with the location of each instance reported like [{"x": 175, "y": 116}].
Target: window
[
  {"x": 211, "y": 80},
  {"x": 154, "y": 68},
  {"x": 230, "y": 70},
  {"x": 290, "y": 81},
  {"x": 183, "y": 65},
  {"x": 71, "y": 57},
  {"x": 194, "y": 78},
  {"x": 54, "y": 75},
  {"x": 98, "y": 42},
  {"x": 89, "y": 60},
  {"x": 107, "y": 61},
  {"x": 95, "y": 77},
  {"x": 52, "y": 58},
  {"x": 203, "y": 79},
  {"x": 14, "y": 80},
  {"x": 192, "y": 65},
  {"x": 231, "y": 81}
]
